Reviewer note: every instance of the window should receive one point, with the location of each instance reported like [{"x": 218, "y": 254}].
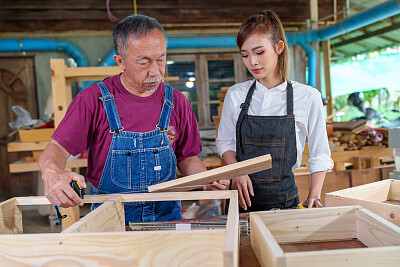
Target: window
[{"x": 201, "y": 76}]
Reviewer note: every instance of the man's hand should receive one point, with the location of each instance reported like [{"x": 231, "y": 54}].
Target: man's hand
[
  {"x": 58, "y": 190},
  {"x": 245, "y": 188},
  {"x": 217, "y": 185}
]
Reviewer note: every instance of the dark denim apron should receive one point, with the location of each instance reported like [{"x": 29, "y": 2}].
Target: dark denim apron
[
  {"x": 274, "y": 135},
  {"x": 137, "y": 160}
]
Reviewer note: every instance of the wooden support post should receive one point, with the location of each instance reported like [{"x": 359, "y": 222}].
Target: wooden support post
[{"x": 326, "y": 49}]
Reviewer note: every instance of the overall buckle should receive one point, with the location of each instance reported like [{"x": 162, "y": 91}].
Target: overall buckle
[{"x": 117, "y": 131}]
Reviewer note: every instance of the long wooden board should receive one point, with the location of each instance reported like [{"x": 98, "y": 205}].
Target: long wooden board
[{"x": 223, "y": 173}]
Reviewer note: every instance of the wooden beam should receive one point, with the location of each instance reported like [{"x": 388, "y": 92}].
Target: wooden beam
[
  {"x": 22, "y": 166},
  {"x": 112, "y": 210},
  {"x": 30, "y": 146},
  {"x": 388, "y": 256},
  {"x": 231, "y": 243},
  {"x": 165, "y": 196},
  {"x": 378, "y": 191},
  {"x": 226, "y": 172},
  {"x": 374, "y": 231},
  {"x": 152, "y": 248},
  {"x": 264, "y": 245},
  {"x": 10, "y": 217},
  {"x": 311, "y": 225}
]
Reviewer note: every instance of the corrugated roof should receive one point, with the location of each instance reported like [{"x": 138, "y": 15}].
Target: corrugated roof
[{"x": 377, "y": 36}]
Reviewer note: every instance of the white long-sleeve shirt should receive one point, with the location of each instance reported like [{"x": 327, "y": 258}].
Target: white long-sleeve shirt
[{"x": 308, "y": 113}]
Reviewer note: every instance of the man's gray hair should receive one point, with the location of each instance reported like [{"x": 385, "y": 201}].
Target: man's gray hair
[{"x": 133, "y": 26}]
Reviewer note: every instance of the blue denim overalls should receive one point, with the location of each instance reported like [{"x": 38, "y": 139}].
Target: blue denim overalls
[
  {"x": 274, "y": 135},
  {"x": 137, "y": 160}
]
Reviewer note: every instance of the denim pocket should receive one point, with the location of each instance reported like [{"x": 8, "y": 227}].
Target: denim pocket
[
  {"x": 125, "y": 168},
  {"x": 292, "y": 199},
  {"x": 273, "y": 146},
  {"x": 161, "y": 164}
]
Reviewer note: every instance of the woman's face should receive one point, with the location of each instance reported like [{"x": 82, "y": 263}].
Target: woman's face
[{"x": 260, "y": 56}]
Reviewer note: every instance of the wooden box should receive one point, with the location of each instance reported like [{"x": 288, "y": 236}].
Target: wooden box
[
  {"x": 99, "y": 238},
  {"x": 271, "y": 231},
  {"x": 35, "y": 135},
  {"x": 382, "y": 198}
]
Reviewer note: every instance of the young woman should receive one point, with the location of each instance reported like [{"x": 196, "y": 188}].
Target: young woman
[{"x": 272, "y": 115}]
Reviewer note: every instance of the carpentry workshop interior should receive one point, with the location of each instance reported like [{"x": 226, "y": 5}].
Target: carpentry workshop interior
[{"x": 200, "y": 133}]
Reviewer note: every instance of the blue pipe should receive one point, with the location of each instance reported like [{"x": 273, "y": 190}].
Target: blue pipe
[
  {"x": 11, "y": 45},
  {"x": 312, "y": 63}
]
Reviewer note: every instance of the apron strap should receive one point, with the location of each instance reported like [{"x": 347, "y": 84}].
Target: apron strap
[
  {"x": 244, "y": 109},
  {"x": 111, "y": 109},
  {"x": 289, "y": 98},
  {"x": 167, "y": 107}
]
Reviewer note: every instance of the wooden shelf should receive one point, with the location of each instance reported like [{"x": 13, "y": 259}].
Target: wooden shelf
[
  {"x": 22, "y": 166},
  {"x": 31, "y": 146}
]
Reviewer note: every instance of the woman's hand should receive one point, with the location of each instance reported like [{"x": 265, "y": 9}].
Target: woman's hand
[
  {"x": 245, "y": 188},
  {"x": 217, "y": 185},
  {"x": 313, "y": 202}
]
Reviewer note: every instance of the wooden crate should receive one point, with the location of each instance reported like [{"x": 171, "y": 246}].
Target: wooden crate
[
  {"x": 99, "y": 238},
  {"x": 35, "y": 135},
  {"x": 382, "y": 198},
  {"x": 270, "y": 230}
]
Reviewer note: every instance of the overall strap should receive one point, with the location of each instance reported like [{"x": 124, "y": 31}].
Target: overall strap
[
  {"x": 289, "y": 98},
  {"x": 111, "y": 109},
  {"x": 167, "y": 107}
]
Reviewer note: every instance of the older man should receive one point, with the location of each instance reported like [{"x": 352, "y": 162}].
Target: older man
[{"x": 138, "y": 129}]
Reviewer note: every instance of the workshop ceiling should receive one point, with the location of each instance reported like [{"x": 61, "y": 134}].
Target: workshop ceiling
[{"x": 197, "y": 17}]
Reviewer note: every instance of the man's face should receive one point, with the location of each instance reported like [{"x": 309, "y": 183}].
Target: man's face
[{"x": 144, "y": 63}]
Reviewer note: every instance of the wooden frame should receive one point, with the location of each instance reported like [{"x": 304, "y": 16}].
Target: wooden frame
[
  {"x": 271, "y": 228},
  {"x": 372, "y": 197},
  {"x": 99, "y": 237}
]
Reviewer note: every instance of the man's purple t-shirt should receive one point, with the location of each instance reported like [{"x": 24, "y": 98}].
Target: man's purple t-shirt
[{"x": 85, "y": 123}]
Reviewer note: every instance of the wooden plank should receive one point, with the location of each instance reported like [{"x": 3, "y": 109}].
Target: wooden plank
[
  {"x": 32, "y": 146},
  {"x": 311, "y": 225},
  {"x": 374, "y": 231},
  {"x": 231, "y": 243},
  {"x": 112, "y": 209},
  {"x": 10, "y": 217},
  {"x": 376, "y": 192},
  {"x": 387, "y": 211},
  {"x": 356, "y": 257},
  {"x": 264, "y": 245},
  {"x": 165, "y": 196},
  {"x": 153, "y": 248},
  {"x": 22, "y": 166},
  {"x": 226, "y": 172},
  {"x": 347, "y": 156},
  {"x": 394, "y": 192}
]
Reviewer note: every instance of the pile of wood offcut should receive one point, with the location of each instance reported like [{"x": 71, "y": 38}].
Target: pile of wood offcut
[{"x": 355, "y": 135}]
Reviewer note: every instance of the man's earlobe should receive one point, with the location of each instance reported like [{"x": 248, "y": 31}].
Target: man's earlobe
[{"x": 120, "y": 62}]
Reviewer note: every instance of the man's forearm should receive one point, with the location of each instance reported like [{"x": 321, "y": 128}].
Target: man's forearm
[
  {"x": 191, "y": 166},
  {"x": 54, "y": 157}
]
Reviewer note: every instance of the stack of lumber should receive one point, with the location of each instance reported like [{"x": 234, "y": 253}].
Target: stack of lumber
[
  {"x": 221, "y": 97},
  {"x": 355, "y": 135}
]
